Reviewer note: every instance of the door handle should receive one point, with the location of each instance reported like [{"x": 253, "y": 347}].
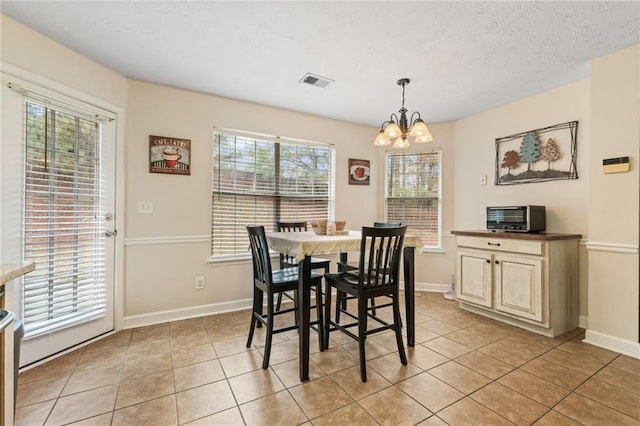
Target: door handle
[{"x": 111, "y": 233}]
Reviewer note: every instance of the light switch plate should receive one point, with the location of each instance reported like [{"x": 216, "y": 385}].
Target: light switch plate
[{"x": 145, "y": 207}]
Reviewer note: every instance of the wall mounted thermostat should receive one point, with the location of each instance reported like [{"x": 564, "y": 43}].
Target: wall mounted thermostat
[{"x": 615, "y": 165}]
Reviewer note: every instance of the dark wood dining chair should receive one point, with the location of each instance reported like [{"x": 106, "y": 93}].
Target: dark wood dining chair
[
  {"x": 378, "y": 275},
  {"x": 269, "y": 282},
  {"x": 287, "y": 261},
  {"x": 353, "y": 266}
]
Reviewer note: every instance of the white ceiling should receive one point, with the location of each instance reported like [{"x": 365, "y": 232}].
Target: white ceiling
[{"x": 462, "y": 57}]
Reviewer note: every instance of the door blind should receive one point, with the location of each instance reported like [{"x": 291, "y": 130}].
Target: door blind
[
  {"x": 413, "y": 193},
  {"x": 63, "y": 222},
  {"x": 259, "y": 182}
]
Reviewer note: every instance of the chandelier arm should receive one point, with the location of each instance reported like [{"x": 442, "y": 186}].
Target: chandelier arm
[{"x": 413, "y": 120}]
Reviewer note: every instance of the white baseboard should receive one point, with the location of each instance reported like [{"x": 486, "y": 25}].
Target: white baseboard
[
  {"x": 583, "y": 322},
  {"x": 185, "y": 313},
  {"x": 433, "y": 287},
  {"x": 612, "y": 343},
  {"x": 160, "y": 317}
]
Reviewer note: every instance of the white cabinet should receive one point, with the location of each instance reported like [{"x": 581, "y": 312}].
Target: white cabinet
[
  {"x": 518, "y": 284},
  {"x": 528, "y": 280},
  {"x": 474, "y": 278}
]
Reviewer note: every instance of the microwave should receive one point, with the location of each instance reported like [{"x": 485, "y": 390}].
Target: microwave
[{"x": 516, "y": 219}]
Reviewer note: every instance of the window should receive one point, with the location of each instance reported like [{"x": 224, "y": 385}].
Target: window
[
  {"x": 259, "y": 180},
  {"x": 413, "y": 194},
  {"x": 62, "y": 223}
]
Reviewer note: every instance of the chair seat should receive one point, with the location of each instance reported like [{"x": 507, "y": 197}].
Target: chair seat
[
  {"x": 348, "y": 266},
  {"x": 316, "y": 263},
  {"x": 346, "y": 281},
  {"x": 319, "y": 262},
  {"x": 288, "y": 275}
]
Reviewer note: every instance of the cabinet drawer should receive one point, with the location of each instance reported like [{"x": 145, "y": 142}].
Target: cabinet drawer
[{"x": 502, "y": 244}]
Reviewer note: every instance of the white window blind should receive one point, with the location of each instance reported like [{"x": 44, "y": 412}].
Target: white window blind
[
  {"x": 62, "y": 222},
  {"x": 413, "y": 194},
  {"x": 259, "y": 181}
]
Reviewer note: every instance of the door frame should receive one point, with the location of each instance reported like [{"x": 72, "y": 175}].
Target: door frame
[{"x": 119, "y": 173}]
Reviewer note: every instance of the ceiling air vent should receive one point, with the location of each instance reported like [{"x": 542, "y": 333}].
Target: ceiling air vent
[{"x": 315, "y": 80}]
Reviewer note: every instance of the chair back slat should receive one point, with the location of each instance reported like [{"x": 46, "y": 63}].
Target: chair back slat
[
  {"x": 287, "y": 261},
  {"x": 291, "y": 226},
  {"x": 386, "y": 224},
  {"x": 380, "y": 251},
  {"x": 262, "y": 270}
]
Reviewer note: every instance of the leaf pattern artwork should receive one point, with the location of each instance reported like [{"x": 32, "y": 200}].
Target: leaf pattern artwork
[
  {"x": 530, "y": 149},
  {"x": 539, "y": 155},
  {"x": 550, "y": 152},
  {"x": 510, "y": 160}
]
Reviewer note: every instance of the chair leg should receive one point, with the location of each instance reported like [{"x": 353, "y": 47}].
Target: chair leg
[
  {"x": 327, "y": 313},
  {"x": 295, "y": 303},
  {"x": 259, "y": 301},
  {"x": 254, "y": 310},
  {"x": 269, "y": 331},
  {"x": 362, "y": 336},
  {"x": 279, "y": 302},
  {"x": 398, "y": 328},
  {"x": 320, "y": 316},
  {"x": 341, "y": 303},
  {"x": 373, "y": 305}
]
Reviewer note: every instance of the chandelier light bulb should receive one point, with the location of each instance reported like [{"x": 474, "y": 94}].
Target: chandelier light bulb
[
  {"x": 381, "y": 139},
  {"x": 392, "y": 130},
  {"x": 418, "y": 129},
  {"x": 401, "y": 143},
  {"x": 424, "y": 138}
]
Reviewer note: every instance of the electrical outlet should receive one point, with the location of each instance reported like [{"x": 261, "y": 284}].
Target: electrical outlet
[
  {"x": 199, "y": 283},
  {"x": 483, "y": 180}
]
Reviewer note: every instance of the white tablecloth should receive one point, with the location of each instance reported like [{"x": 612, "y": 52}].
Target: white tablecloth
[{"x": 301, "y": 244}]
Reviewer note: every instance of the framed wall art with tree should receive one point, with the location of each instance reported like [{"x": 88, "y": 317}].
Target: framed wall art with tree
[{"x": 537, "y": 155}]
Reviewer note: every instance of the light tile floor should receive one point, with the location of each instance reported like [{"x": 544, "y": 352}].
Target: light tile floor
[{"x": 464, "y": 370}]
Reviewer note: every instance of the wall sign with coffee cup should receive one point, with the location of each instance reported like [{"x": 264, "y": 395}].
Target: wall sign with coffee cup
[
  {"x": 169, "y": 155},
  {"x": 359, "y": 171}
]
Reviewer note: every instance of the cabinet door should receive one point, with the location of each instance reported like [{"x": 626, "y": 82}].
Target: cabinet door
[
  {"x": 473, "y": 277},
  {"x": 518, "y": 286}
]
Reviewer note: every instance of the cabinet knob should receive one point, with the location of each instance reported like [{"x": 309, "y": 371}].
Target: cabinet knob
[
  {"x": 488, "y": 261},
  {"x": 497, "y": 262}
]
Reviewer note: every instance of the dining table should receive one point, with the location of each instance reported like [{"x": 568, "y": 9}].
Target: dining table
[{"x": 302, "y": 245}]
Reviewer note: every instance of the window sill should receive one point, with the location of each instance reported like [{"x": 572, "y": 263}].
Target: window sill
[
  {"x": 237, "y": 258},
  {"x": 430, "y": 250}
]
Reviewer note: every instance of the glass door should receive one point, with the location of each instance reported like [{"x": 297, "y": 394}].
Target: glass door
[{"x": 67, "y": 224}]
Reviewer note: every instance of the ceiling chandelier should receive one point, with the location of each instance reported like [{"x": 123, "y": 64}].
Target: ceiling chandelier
[{"x": 399, "y": 129}]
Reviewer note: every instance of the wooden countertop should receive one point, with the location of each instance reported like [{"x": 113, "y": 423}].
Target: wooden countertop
[
  {"x": 11, "y": 271},
  {"x": 543, "y": 236}
]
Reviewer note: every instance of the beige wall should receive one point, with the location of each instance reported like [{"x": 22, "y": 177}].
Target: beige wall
[
  {"x": 38, "y": 54},
  {"x": 614, "y": 211},
  {"x": 164, "y": 251},
  {"x": 566, "y": 201},
  {"x": 160, "y": 273}
]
